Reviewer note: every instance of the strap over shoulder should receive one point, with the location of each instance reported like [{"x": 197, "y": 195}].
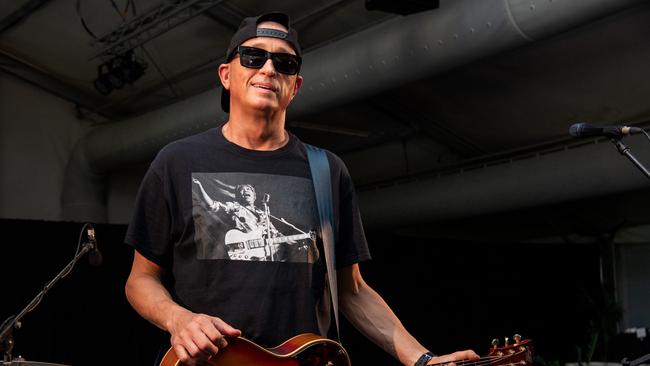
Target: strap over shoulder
[{"x": 321, "y": 177}]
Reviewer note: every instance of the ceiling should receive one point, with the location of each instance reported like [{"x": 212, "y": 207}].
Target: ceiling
[
  {"x": 181, "y": 61},
  {"x": 517, "y": 101}
]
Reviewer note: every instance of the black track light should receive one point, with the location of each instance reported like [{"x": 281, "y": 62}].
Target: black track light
[{"x": 117, "y": 72}]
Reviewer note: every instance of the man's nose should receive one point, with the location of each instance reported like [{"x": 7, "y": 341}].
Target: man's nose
[{"x": 268, "y": 67}]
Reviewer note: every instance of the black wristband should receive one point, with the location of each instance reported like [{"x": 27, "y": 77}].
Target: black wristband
[{"x": 426, "y": 357}]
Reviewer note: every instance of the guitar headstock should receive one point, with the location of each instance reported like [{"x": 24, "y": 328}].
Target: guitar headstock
[{"x": 517, "y": 352}]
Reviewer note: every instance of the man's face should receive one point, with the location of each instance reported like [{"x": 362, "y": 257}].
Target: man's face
[
  {"x": 247, "y": 194},
  {"x": 262, "y": 89}
]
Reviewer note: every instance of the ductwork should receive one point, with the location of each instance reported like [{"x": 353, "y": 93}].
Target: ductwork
[
  {"x": 377, "y": 59},
  {"x": 592, "y": 169}
]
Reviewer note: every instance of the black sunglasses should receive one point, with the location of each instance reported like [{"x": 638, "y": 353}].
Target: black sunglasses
[{"x": 255, "y": 58}]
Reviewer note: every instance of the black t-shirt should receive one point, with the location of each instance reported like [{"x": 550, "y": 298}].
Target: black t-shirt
[{"x": 234, "y": 230}]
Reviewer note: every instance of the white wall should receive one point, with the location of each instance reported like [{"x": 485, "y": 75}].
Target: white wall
[{"x": 37, "y": 133}]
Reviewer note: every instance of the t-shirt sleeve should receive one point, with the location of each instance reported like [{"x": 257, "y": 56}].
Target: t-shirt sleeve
[
  {"x": 351, "y": 244},
  {"x": 149, "y": 229}
]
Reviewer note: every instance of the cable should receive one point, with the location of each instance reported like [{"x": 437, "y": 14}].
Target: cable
[
  {"x": 646, "y": 134},
  {"x": 83, "y": 22},
  {"x": 81, "y": 233},
  {"x": 123, "y": 15}
]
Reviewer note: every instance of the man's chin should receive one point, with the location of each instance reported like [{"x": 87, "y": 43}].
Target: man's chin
[{"x": 264, "y": 104}]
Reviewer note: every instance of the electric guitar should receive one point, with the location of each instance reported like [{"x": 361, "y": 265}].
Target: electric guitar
[
  {"x": 252, "y": 246},
  {"x": 314, "y": 350}
]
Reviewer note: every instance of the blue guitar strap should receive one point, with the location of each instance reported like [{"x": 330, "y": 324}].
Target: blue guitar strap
[{"x": 320, "y": 174}]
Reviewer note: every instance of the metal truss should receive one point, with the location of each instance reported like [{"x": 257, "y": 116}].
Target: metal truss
[
  {"x": 23, "y": 12},
  {"x": 150, "y": 25}
]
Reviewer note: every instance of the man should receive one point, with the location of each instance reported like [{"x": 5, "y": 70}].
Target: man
[
  {"x": 242, "y": 213},
  {"x": 210, "y": 300}
]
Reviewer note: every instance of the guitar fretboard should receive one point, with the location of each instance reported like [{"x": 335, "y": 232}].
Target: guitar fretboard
[{"x": 258, "y": 243}]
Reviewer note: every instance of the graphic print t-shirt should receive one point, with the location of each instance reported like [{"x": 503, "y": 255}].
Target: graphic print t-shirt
[{"x": 236, "y": 231}]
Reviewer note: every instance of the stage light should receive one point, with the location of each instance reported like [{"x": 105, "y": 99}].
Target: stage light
[
  {"x": 103, "y": 83},
  {"x": 117, "y": 72}
]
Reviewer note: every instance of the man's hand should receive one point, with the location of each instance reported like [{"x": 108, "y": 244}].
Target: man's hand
[
  {"x": 197, "y": 337},
  {"x": 452, "y": 357}
]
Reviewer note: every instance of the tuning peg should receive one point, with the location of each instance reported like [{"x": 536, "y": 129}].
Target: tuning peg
[
  {"x": 517, "y": 338},
  {"x": 495, "y": 343}
]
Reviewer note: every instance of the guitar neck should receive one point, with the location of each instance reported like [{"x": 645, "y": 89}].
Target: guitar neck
[
  {"x": 487, "y": 361},
  {"x": 284, "y": 239},
  {"x": 480, "y": 362}
]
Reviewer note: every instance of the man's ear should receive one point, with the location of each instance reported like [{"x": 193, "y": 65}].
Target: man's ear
[
  {"x": 224, "y": 75},
  {"x": 299, "y": 80}
]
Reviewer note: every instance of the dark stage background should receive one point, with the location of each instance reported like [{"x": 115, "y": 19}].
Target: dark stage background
[{"x": 451, "y": 295}]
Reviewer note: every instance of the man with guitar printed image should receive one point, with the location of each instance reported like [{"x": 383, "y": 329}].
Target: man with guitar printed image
[
  {"x": 204, "y": 299},
  {"x": 251, "y": 234}
]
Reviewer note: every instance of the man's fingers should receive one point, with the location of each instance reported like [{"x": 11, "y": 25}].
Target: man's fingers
[
  {"x": 193, "y": 350},
  {"x": 467, "y": 354},
  {"x": 225, "y": 328},
  {"x": 183, "y": 355},
  {"x": 215, "y": 337},
  {"x": 448, "y": 360},
  {"x": 197, "y": 346},
  {"x": 200, "y": 337},
  {"x": 206, "y": 344}
]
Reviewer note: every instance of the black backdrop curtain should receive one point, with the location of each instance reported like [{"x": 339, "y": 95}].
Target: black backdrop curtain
[{"x": 451, "y": 295}]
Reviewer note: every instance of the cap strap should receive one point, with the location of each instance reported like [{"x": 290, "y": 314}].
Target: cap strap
[{"x": 266, "y": 32}]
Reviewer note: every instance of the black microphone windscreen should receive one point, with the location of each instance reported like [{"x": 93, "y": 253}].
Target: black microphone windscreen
[{"x": 577, "y": 129}]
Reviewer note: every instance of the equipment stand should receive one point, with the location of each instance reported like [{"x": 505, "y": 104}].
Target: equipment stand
[
  {"x": 13, "y": 322},
  {"x": 625, "y": 150},
  {"x": 267, "y": 238}
]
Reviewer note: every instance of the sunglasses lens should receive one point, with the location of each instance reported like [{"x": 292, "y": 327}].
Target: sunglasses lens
[
  {"x": 252, "y": 57},
  {"x": 286, "y": 63}
]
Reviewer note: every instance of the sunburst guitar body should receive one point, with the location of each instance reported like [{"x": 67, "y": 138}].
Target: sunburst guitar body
[{"x": 301, "y": 350}]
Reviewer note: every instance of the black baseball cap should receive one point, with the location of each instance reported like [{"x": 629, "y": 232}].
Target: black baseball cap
[{"x": 248, "y": 29}]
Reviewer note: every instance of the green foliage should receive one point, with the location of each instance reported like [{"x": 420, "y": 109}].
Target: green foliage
[{"x": 602, "y": 327}]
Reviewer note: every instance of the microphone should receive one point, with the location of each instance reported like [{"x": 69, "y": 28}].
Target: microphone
[
  {"x": 589, "y": 130},
  {"x": 266, "y": 198},
  {"x": 95, "y": 257}
]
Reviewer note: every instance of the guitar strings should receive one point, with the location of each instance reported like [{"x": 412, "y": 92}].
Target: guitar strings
[
  {"x": 480, "y": 362},
  {"x": 486, "y": 360}
]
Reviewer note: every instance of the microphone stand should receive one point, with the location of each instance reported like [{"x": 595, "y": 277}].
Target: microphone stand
[
  {"x": 625, "y": 150},
  {"x": 13, "y": 322},
  {"x": 267, "y": 240}
]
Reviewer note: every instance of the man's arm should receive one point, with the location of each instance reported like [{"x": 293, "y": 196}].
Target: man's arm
[
  {"x": 370, "y": 314},
  {"x": 193, "y": 336}
]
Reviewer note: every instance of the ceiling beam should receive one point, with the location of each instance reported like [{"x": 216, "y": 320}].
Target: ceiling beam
[
  {"x": 329, "y": 128},
  {"x": 318, "y": 13},
  {"x": 227, "y": 15},
  {"x": 408, "y": 115},
  {"x": 150, "y": 25},
  {"x": 20, "y": 14}
]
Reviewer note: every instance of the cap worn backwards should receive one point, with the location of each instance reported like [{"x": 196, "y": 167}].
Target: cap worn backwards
[{"x": 248, "y": 29}]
